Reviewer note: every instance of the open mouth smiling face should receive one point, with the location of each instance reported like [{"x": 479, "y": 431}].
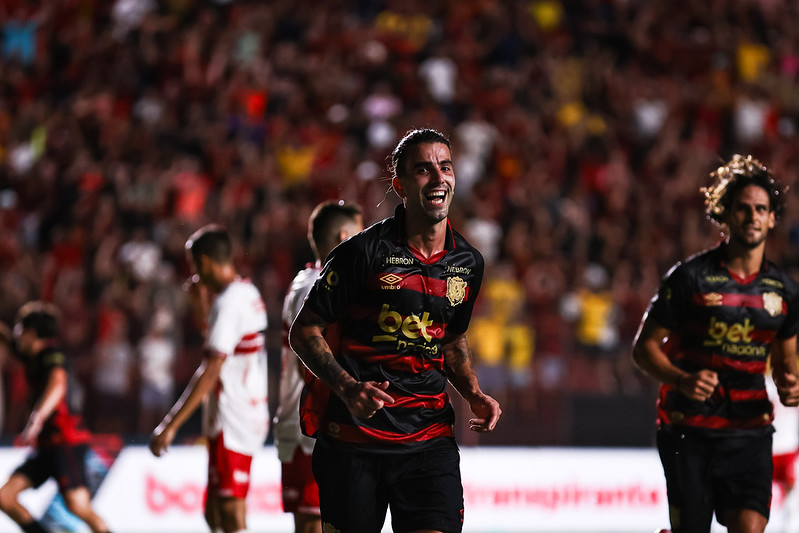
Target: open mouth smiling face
[{"x": 432, "y": 180}]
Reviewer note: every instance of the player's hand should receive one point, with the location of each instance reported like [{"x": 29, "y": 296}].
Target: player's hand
[
  {"x": 365, "y": 398},
  {"x": 161, "y": 439},
  {"x": 788, "y": 388},
  {"x": 698, "y": 386},
  {"x": 487, "y": 411}
]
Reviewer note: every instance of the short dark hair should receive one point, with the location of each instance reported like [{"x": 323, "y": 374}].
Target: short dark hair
[
  {"x": 41, "y": 317},
  {"x": 413, "y": 138},
  {"x": 211, "y": 240},
  {"x": 328, "y": 217},
  {"x": 728, "y": 180}
]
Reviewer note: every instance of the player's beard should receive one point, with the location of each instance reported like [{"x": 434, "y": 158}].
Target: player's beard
[{"x": 743, "y": 241}]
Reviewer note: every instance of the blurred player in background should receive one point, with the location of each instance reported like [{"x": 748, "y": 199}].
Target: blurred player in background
[
  {"x": 60, "y": 442},
  {"x": 707, "y": 336},
  {"x": 231, "y": 380},
  {"x": 330, "y": 223}
]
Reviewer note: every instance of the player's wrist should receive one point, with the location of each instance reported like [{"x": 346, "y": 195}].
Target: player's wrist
[
  {"x": 35, "y": 417},
  {"x": 344, "y": 384}
]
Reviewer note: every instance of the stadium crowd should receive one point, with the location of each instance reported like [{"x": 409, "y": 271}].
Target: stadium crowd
[{"x": 581, "y": 129}]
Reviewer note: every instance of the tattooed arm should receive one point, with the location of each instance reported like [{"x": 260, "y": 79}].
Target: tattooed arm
[
  {"x": 459, "y": 366},
  {"x": 306, "y": 337}
]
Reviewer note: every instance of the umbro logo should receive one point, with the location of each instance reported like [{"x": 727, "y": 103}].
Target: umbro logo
[{"x": 390, "y": 281}]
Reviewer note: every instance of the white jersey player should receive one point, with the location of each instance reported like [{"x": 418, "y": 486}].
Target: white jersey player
[
  {"x": 238, "y": 406},
  {"x": 329, "y": 224},
  {"x": 287, "y": 421},
  {"x": 231, "y": 380}
]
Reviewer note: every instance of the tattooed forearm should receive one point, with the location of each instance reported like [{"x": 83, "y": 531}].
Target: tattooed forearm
[
  {"x": 319, "y": 360},
  {"x": 458, "y": 354},
  {"x": 459, "y": 366},
  {"x": 306, "y": 338}
]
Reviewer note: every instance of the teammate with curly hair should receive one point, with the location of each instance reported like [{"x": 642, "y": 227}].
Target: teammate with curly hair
[{"x": 707, "y": 337}]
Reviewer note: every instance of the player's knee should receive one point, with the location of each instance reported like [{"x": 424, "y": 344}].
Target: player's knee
[
  {"x": 75, "y": 508},
  {"x": 232, "y": 520},
  {"x": 78, "y": 504},
  {"x": 8, "y": 498}
]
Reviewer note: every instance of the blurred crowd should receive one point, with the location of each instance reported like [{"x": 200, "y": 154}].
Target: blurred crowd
[{"x": 581, "y": 130}]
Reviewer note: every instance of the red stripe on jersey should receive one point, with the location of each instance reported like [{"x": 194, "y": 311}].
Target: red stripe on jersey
[
  {"x": 394, "y": 361},
  {"x": 407, "y": 363},
  {"x": 431, "y": 401},
  {"x": 720, "y": 362},
  {"x": 364, "y": 435},
  {"x": 246, "y": 350},
  {"x": 717, "y": 422},
  {"x": 744, "y": 395},
  {"x": 353, "y": 347},
  {"x": 761, "y": 336},
  {"x": 754, "y": 301},
  {"x": 249, "y": 344}
]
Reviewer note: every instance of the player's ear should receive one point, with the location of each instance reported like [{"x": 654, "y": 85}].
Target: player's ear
[
  {"x": 397, "y": 184},
  {"x": 205, "y": 262}
]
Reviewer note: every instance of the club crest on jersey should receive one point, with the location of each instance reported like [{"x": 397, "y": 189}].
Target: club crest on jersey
[
  {"x": 712, "y": 299},
  {"x": 772, "y": 302},
  {"x": 456, "y": 290}
]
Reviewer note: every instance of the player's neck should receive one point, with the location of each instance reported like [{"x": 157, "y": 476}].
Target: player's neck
[
  {"x": 428, "y": 240},
  {"x": 224, "y": 277},
  {"x": 742, "y": 261}
]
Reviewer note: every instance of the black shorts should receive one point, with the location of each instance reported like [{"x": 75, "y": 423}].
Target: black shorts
[
  {"x": 706, "y": 474},
  {"x": 423, "y": 489},
  {"x": 65, "y": 464}
]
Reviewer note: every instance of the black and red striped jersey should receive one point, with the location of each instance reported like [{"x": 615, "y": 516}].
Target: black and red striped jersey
[
  {"x": 389, "y": 310},
  {"x": 63, "y": 427},
  {"x": 721, "y": 322}
]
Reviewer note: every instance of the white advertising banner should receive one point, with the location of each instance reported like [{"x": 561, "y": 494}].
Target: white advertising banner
[
  {"x": 143, "y": 493},
  {"x": 546, "y": 490}
]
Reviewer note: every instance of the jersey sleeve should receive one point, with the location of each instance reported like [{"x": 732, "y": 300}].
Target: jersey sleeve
[
  {"x": 790, "y": 327},
  {"x": 298, "y": 291},
  {"x": 223, "y": 327},
  {"x": 463, "y": 312},
  {"x": 54, "y": 359},
  {"x": 340, "y": 281},
  {"x": 669, "y": 305}
]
